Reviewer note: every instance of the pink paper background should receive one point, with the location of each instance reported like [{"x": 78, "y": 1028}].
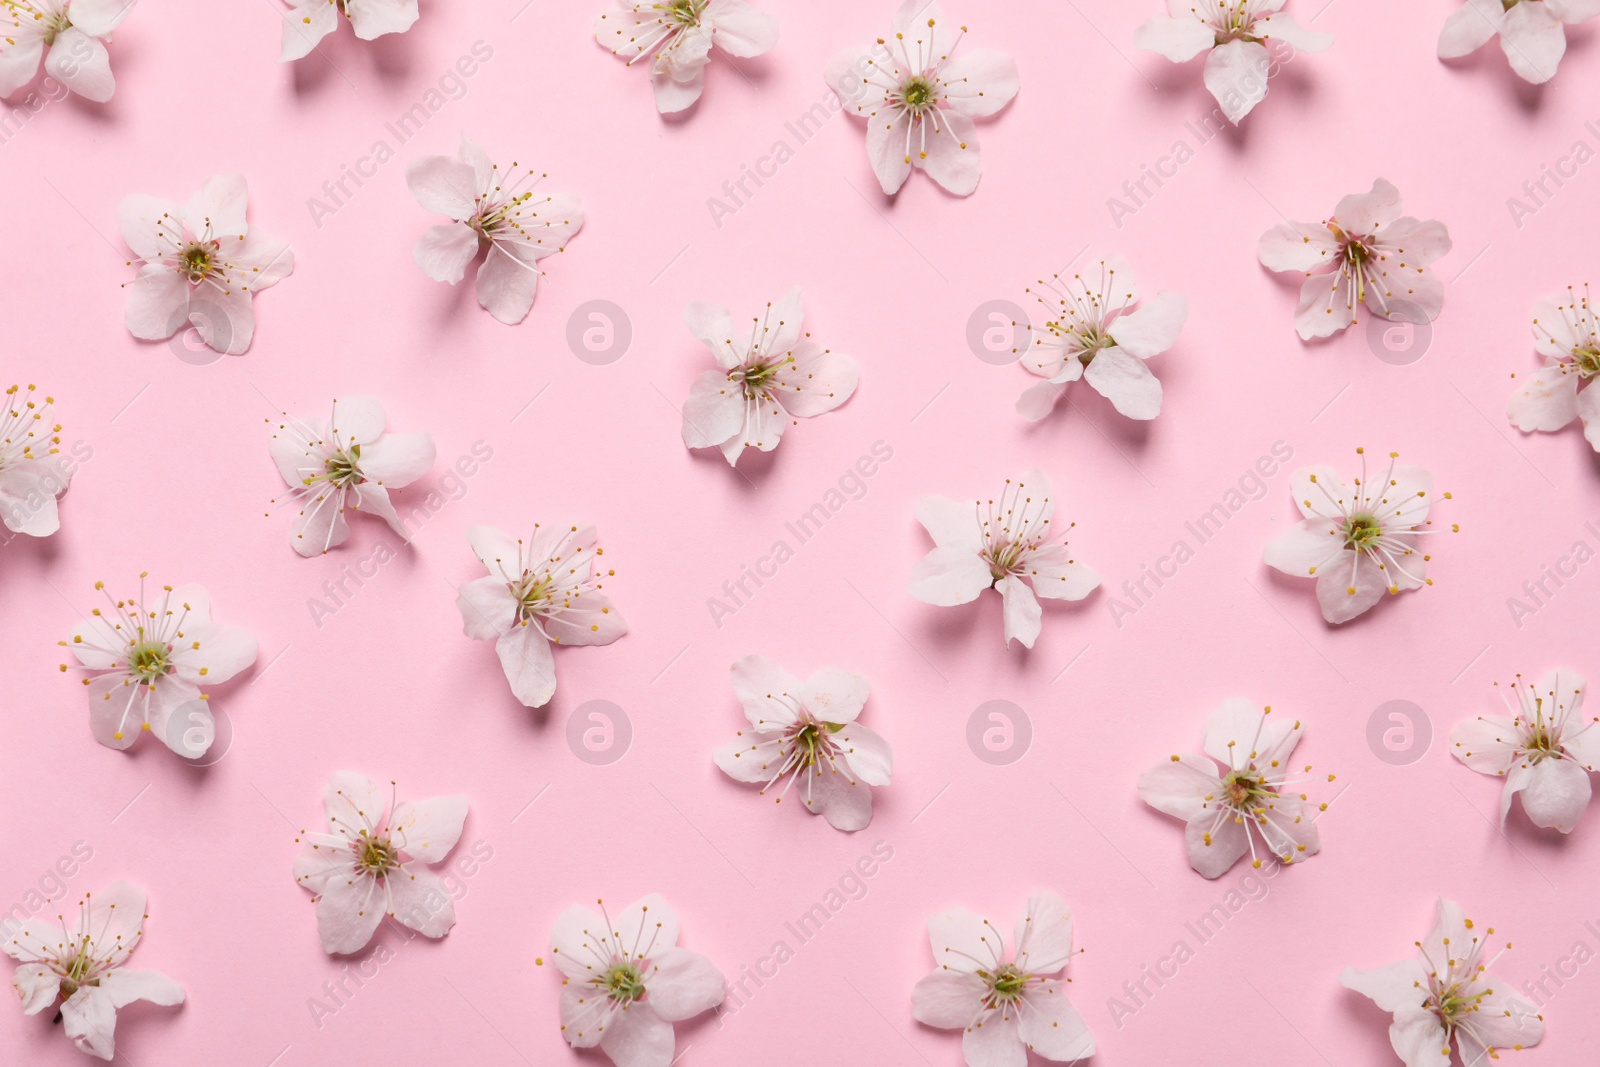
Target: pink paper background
[{"x": 180, "y": 480}]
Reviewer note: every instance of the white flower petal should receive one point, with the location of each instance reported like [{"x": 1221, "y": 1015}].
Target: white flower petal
[
  {"x": 1236, "y": 74},
  {"x": 980, "y": 82},
  {"x": 1153, "y": 328},
  {"x": 1178, "y": 37},
  {"x": 682, "y": 984},
  {"x": 1021, "y": 611},
  {"x": 81, "y": 63},
  {"x": 428, "y": 829}
]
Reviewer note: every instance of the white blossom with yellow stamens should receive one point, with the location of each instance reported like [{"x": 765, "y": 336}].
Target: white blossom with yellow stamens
[
  {"x": 920, "y": 103},
  {"x": 1005, "y": 1004},
  {"x": 764, "y": 377},
  {"x": 1254, "y": 806},
  {"x": 1545, "y": 750},
  {"x": 677, "y": 36},
  {"x": 200, "y": 264},
  {"x": 1445, "y": 994},
  {"x": 1566, "y": 330},
  {"x": 540, "y": 591},
  {"x": 346, "y": 463},
  {"x": 625, "y": 981},
  {"x": 373, "y": 861},
  {"x": 1366, "y": 252},
  {"x": 804, "y": 735},
  {"x": 146, "y": 659},
  {"x": 1004, "y": 545},
  {"x": 496, "y": 213},
  {"x": 1357, "y": 541},
  {"x": 68, "y": 35},
  {"x": 1095, "y": 329},
  {"x": 32, "y": 474},
  {"x": 80, "y": 967},
  {"x": 1235, "y": 36}
]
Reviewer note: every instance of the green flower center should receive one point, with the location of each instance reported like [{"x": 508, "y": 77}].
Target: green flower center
[
  {"x": 1361, "y": 530},
  {"x": 811, "y": 742},
  {"x": 1005, "y": 984},
  {"x": 685, "y": 12},
  {"x": 343, "y": 469},
  {"x": 757, "y": 380},
  {"x": 917, "y": 93},
  {"x": 377, "y": 856},
  {"x": 196, "y": 261},
  {"x": 1587, "y": 361},
  {"x": 624, "y": 983},
  {"x": 149, "y": 660}
]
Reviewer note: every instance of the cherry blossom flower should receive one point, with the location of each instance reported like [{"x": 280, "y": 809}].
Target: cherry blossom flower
[
  {"x": 919, "y": 103},
  {"x": 32, "y": 473},
  {"x": 1567, "y": 334},
  {"x": 309, "y": 21},
  {"x": 677, "y": 36},
  {"x": 496, "y": 213},
  {"x": 1530, "y": 32},
  {"x": 80, "y": 968},
  {"x": 626, "y": 981},
  {"x": 540, "y": 591},
  {"x": 146, "y": 659},
  {"x": 1445, "y": 994},
  {"x": 1367, "y": 252},
  {"x": 807, "y": 733},
  {"x": 198, "y": 264},
  {"x": 1545, "y": 751},
  {"x": 1360, "y": 541},
  {"x": 69, "y": 35},
  {"x": 1093, "y": 332},
  {"x": 763, "y": 378},
  {"x": 373, "y": 861},
  {"x": 1253, "y": 806},
  {"x": 1235, "y": 34},
  {"x": 347, "y": 462},
  {"x": 1003, "y": 545},
  {"x": 1006, "y": 1005}
]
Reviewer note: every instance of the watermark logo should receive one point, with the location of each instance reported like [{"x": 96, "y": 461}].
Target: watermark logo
[
  {"x": 1399, "y": 732},
  {"x": 997, "y": 332},
  {"x": 201, "y": 331},
  {"x": 1400, "y": 340},
  {"x": 599, "y": 732},
  {"x": 199, "y": 731},
  {"x": 599, "y": 332},
  {"x": 999, "y": 732}
]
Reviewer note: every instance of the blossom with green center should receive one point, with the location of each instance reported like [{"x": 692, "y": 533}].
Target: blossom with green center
[
  {"x": 1095, "y": 328},
  {"x": 1011, "y": 545},
  {"x": 498, "y": 213},
  {"x": 804, "y": 736},
  {"x": 144, "y": 661},
  {"x": 1545, "y": 749},
  {"x": 373, "y": 860},
  {"x": 625, "y": 981},
  {"x": 198, "y": 265},
  {"x": 541, "y": 591},
  {"x": 1566, "y": 333},
  {"x": 1365, "y": 253},
  {"x": 1359, "y": 541},
  {"x": 69, "y": 36},
  {"x": 1254, "y": 806},
  {"x": 1005, "y": 1004},
  {"x": 677, "y": 36},
  {"x": 919, "y": 102},
  {"x": 1444, "y": 995},
  {"x": 33, "y": 470},
  {"x": 766, "y": 375},
  {"x": 78, "y": 968},
  {"x": 348, "y": 463}
]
